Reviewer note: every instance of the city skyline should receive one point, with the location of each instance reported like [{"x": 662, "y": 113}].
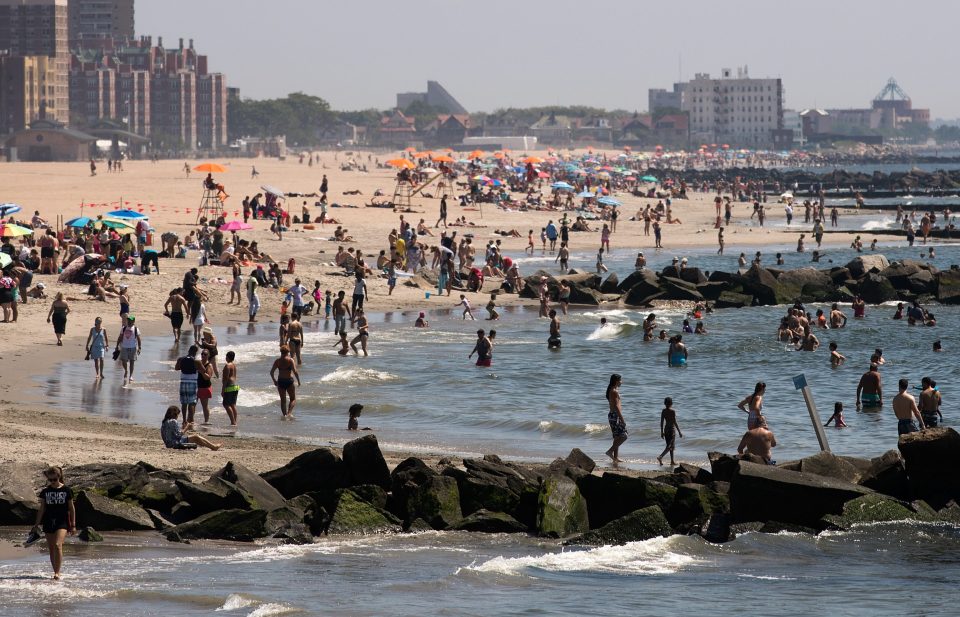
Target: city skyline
[{"x": 611, "y": 61}]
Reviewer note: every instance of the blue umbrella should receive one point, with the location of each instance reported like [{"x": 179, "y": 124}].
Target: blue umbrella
[
  {"x": 127, "y": 214},
  {"x": 6, "y": 209},
  {"x": 586, "y": 194},
  {"x": 562, "y": 186},
  {"x": 608, "y": 201},
  {"x": 80, "y": 221}
]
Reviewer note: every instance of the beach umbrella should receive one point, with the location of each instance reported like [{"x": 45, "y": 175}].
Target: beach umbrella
[
  {"x": 631, "y": 178},
  {"x": 272, "y": 190},
  {"x": 7, "y": 209},
  {"x": 442, "y": 158},
  {"x": 5, "y": 260},
  {"x": 212, "y": 168},
  {"x": 80, "y": 221},
  {"x": 121, "y": 224},
  {"x": 535, "y": 160},
  {"x": 235, "y": 226},
  {"x": 401, "y": 163},
  {"x": 608, "y": 201},
  {"x": 12, "y": 231},
  {"x": 543, "y": 175},
  {"x": 649, "y": 179},
  {"x": 127, "y": 214},
  {"x": 562, "y": 186},
  {"x": 498, "y": 155},
  {"x": 476, "y": 154},
  {"x": 429, "y": 171},
  {"x": 586, "y": 195}
]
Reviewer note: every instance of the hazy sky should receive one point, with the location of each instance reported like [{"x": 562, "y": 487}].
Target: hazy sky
[{"x": 500, "y": 53}]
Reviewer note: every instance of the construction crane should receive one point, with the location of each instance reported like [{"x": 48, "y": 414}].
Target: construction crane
[{"x": 892, "y": 92}]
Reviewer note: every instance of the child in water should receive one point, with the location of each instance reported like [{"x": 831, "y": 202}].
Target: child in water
[
  {"x": 353, "y": 423},
  {"x": 343, "y": 344},
  {"x": 492, "y": 308},
  {"x": 327, "y": 303},
  {"x": 421, "y": 321},
  {"x": 837, "y": 417},
  {"x": 668, "y": 426},
  {"x": 836, "y": 358},
  {"x": 466, "y": 307}
]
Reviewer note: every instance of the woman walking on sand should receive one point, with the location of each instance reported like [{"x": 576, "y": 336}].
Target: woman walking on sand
[
  {"x": 618, "y": 425},
  {"x": 97, "y": 343},
  {"x": 59, "y": 309}
]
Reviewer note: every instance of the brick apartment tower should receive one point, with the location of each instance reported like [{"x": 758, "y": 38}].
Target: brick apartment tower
[{"x": 33, "y": 88}]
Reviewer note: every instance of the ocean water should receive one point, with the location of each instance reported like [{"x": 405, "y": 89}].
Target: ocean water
[{"x": 887, "y": 569}]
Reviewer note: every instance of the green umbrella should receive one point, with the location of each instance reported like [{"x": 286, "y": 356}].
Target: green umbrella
[{"x": 649, "y": 179}]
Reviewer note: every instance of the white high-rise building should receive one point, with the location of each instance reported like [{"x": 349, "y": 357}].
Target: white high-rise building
[{"x": 734, "y": 109}]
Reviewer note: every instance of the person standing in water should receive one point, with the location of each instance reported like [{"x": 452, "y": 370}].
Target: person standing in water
[
  {"x": 97, "y": 344},
  {"x": 669, "y": 429},
  {"x": 363, "y": 333},
  {"x": 174, "y": 308},
  {"x": 283, "y": 371},
  {"x": 870, "y": 389},
  {"x": 618, "y": 426},
  {"x": 56, "y": 516},
  {"x": 677, "y": 352},
  {"x": 483, "y": 349},
  {"x": 720, "y": 241},
  {"x": 230, "y": 390},
  {"x": 553, "y": 342},
  {"x": 905, "y": 408},
  {"x": 753, "y": 405}
]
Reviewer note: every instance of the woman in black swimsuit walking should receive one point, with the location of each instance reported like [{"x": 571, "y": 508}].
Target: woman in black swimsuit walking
[{"x": 57, "y": 516}]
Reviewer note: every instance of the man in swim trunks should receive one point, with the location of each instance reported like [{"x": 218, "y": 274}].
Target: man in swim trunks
[
  {"x": 759, "y": 441},
  {"x": 870, "y": 389},
  {"x": 188, "y": 367},
  {"x": 929, "y": 404},
  {"x": 174, "y": 308},
  {"x": 553, "y": 342},
  {"x": 283, "y": 371},
  {"x": 230, "y": 389},
  {"x": 905, "y": 408},
  {"x": 837, "y": 318},
  {"x": 482, "y": 349},
  {"x": 340, "y": 313}
]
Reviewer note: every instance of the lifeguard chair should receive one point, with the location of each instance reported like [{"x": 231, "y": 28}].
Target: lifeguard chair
[
  {"x": 402, "y": 194},
  {"x": 211, "y": 206}
]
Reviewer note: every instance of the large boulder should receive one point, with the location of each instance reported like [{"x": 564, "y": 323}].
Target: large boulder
[
  {"x": 638, "y": 276},
  {"x": 696, "y": 502},
  {"x": 831, "y": 466},
  {"x": 678, "y": 289},
  {"x": 712, "y": 291},
  {"x": 887, "y": 475},
  {"x": 611, "y": 284},
  {"x": 365, "y": 462},
  {"x": 581, "y": 294},
  {"x": 807, "y": 284},
  {"x": 637, "y": 526},
  {"x": 105, "y": 514},
  {"x": 923, "y": 282},
  {"x": 562, "y": 510},
  {"x": 18, "y": 499},
  {"x": 875, "y": 289},
  {"x": 258, "y": 492},
  {"x": 139, "y": 483},
  {"x": 875, "y": 508},
  {"x": 948, "y": 286},
  {"x": 899, "y": 272},
  {"x": 693, "y": 275},
  {"x": 642, "y": 294},
  {"x": 212, "y": 495},
  {"x": 863, "y": 264},
  {"x": 436, "y": 501},
  {"x": 613, "y": 495},
  {"x": 490, "y": 522},
  {"x": 577, "y": 458},
  {"x": 768, "y": 493},
  {"x": 730, "y": 299},
  {"x": 235, "y": 525},
  {"x": 764, "y": 287},
  {"x": 490, "y": 484},
  {"x": 932, "y": 461},
  {"x": 316, "y": 470},
  {"x": 355, "y": 516}
]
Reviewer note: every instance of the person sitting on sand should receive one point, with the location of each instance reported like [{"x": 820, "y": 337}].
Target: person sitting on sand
[
  {"x": 174, "y": 438},
  {"x": 422, "y": 229}
]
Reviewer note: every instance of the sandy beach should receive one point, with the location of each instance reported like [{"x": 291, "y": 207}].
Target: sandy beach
[{"x": 33, "y": 432}]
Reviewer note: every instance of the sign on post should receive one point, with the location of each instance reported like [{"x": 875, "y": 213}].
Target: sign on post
[{"x": 800, "y": 383}]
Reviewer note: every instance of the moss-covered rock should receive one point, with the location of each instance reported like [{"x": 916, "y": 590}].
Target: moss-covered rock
[
  {"x": 235, "y": 524},
  {"x": 437, "y": 501},
  {"x": 695, "y": 502},
  {"x": 562, "y": 510},
  {"x": 643, "y": 524},
  {"x": 613, "y": 495},
  {"x": 875, "y": 508},
  {"x": 355, "y": 516},
  {"x": 490, "y": 522}
]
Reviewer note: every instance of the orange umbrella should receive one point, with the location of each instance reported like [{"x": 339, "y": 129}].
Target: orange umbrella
[
  {"x": 210, "y": 168},
  {"x": 422, "y": 155},
  {"x": 536, "y": 160},
  {"x": 442, "y": 158},
  {"x": 498, "y": 155},
  {"x": 410, "y": 149},
  {"x": 402, "y": 163},
  {"x": 477, "y": 154}
]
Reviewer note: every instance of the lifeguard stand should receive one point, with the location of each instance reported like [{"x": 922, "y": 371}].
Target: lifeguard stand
[
  {"x": 402, "y": 194},
  {"x": 211, "y": 206}
]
